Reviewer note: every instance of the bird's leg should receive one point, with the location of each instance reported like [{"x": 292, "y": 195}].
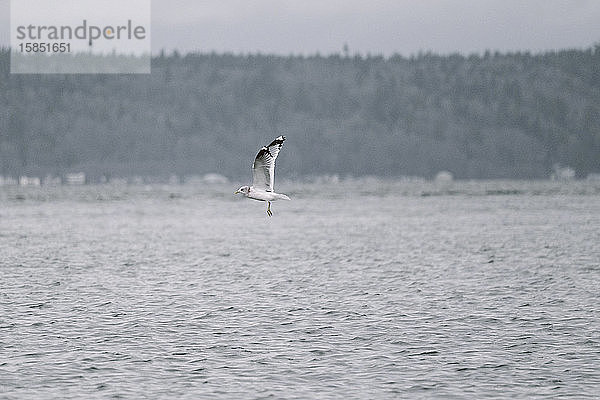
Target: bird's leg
[{"x": 269, "y": 213}]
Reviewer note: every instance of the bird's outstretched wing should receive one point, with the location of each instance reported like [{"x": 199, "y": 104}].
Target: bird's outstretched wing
[{"x": 263, "y": 169}]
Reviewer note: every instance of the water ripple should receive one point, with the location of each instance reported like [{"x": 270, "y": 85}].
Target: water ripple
[{"x": 483, "y": 292}]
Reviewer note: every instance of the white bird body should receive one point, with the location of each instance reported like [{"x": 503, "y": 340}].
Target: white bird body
[
  {"x": 263, "y": 175},
  {"x": 263, "y": 195}
]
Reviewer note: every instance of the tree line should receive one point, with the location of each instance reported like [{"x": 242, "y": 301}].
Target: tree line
[{"x": 493, "y": 115}]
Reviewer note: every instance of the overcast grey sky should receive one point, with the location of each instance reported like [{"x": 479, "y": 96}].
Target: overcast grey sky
[{"x": 374, "y": 26}]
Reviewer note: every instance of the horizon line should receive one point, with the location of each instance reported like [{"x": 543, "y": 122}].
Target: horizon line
[{"x": 594, "y": 47}]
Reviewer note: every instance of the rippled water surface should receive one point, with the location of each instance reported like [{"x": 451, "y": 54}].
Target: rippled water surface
[{"x": 362, "y": 290}]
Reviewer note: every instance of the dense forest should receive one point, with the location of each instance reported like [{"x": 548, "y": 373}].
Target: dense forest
[{"x": 480, "y": 116}]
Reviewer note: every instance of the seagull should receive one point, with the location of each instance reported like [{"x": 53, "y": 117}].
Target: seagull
[{"x": 263, "y": 175}]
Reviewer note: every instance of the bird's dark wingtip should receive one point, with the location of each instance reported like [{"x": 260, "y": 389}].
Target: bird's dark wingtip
[{"x": 278, "y": 141}]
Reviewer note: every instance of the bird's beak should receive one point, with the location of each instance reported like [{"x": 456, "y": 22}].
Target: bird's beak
[{"x": 236, "y": 192}]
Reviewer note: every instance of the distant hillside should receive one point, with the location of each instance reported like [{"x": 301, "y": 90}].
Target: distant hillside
[{"x": 491, "y": 116}]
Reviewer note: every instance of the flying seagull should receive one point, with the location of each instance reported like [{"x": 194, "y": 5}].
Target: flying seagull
[{"x": 263, "y": 175}]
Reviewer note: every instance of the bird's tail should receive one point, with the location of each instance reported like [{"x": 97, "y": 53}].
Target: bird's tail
[{"x": 282, "y": 197}]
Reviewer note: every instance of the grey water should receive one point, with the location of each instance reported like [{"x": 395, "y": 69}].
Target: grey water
[{"x": 365, "y": 289}]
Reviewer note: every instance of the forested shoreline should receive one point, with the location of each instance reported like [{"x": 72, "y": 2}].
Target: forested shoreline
[{"x": 480, "y": 116}]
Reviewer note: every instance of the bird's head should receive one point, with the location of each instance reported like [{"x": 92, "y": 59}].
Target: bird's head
[{"x": 244, "y": 189}]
